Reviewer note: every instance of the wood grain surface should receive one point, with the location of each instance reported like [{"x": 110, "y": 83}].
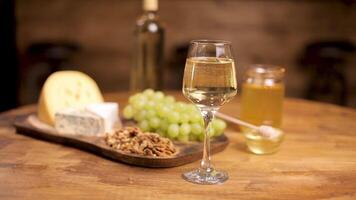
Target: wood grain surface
[{"x": 317, "y": 161}]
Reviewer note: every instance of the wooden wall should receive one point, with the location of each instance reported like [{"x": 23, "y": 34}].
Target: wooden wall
[{"x": 262, "y": 31}]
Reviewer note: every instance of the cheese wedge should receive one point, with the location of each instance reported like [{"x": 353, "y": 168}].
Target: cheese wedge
[
  {"x": 92, "y": 120},
  {"x": 79, "y": 122},
  {"x": 66, "y": 89},
  {"x": 109, "y": 112}
]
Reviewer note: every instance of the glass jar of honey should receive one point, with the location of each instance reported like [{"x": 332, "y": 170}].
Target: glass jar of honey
[{"x": 262, "y": 104}]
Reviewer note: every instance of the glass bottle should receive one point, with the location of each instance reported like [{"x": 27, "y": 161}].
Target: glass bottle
[
  {"x": 262, "y": 104},
  {"x": 148, "y": 56}
]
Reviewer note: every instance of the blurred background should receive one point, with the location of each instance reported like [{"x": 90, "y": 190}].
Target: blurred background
[{"x": 313, "y": 39}]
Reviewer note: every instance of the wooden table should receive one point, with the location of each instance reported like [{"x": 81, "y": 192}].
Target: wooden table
[{"x": 317, "y": 161}]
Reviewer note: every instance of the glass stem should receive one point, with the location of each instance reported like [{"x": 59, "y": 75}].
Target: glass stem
[{"x": 208, "y": 116}]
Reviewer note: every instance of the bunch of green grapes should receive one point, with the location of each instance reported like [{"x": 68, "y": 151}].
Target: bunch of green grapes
[{"x": 162, "y": 114}]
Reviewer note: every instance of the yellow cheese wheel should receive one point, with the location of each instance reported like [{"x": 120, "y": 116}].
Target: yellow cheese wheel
[{"x": 66, "y": 89}]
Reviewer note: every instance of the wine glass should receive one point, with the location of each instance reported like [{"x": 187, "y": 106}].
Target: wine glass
[{"x": 209, "y": 82}]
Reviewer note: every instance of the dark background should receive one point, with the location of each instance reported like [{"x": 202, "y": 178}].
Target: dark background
[{"x": 314, "y": 40}]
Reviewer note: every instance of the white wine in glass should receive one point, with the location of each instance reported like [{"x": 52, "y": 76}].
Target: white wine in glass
[{"x": 209, "y": 82}]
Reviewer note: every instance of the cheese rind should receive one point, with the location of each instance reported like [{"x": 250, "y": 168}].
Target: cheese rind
[
  {"x": 107, "y": 111},
  {"x": 66, "y": 89}
]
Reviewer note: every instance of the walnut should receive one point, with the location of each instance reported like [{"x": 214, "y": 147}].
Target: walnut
[{"x": 133, "y": 140}]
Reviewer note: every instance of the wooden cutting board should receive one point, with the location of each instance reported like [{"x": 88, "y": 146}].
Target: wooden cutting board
[{"x": 187, "y": 152}]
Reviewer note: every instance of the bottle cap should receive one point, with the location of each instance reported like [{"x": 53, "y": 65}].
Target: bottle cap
[{"x": 150, "y": 5}]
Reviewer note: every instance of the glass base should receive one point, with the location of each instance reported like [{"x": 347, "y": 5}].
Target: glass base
[{"x": 205, "y": 178}]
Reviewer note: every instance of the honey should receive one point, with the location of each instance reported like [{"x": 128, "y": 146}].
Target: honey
[{"x": 262, "y": 104}]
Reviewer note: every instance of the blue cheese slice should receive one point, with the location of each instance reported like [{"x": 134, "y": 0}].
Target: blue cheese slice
[
  {"x": 91, "y": 120},
  {"x": 78, "y": 121}
]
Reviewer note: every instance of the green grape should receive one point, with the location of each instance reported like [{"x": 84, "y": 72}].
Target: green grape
[
  {"x": 132, "y": 98},
  {"x": 218, "y": 133},
  {"x": 154, "y": 122},
  {"x": 150, "y": 105},
  {"x": 138, "y": 104},
  {"x": 163, "y": 125},
  {"x": 218, "y": 126},
  {"x": 184, "y": 129},
  {"x": 173, "y": 130},
  {"x": 184, "y": 118},
  {"x": 170, "y": 107},
  {"x": 201, "y": 121},
  {"x": 162, "y": 111},
  {"x": 169, "y": 99},
  {"x": 157, "y": 105},
  {"x": 211, "y": 131},
  {"x": 173, "y": 117},
  {"x": 148, "y": 93},
  {"x": 128, "y": 112},
  {"x": 183, "y": 138},
  {"x": 150, "y": 114},
  {"x": 195, "y": 118},
  {"x": 136, "y": 98},
  {"x": 191, "y": 108},
  {"x": 197, "y": 129},
  {"x": 141, "y": 115},
  {"x": 144, "y": 126},
  {"x": 158, "y": 96},
  {"x": 180, "y": 106}
]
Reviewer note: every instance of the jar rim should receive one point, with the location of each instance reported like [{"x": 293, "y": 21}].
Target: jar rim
[
  {"x": 266, "y": 71},
  {"x": 213, "y": 42}
]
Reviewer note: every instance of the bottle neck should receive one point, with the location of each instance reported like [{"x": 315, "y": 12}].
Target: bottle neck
[
  {"x": 150, "y": 13},
  {"x": 150, "y": 5},
  {"x": 147, "y": 15}
]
